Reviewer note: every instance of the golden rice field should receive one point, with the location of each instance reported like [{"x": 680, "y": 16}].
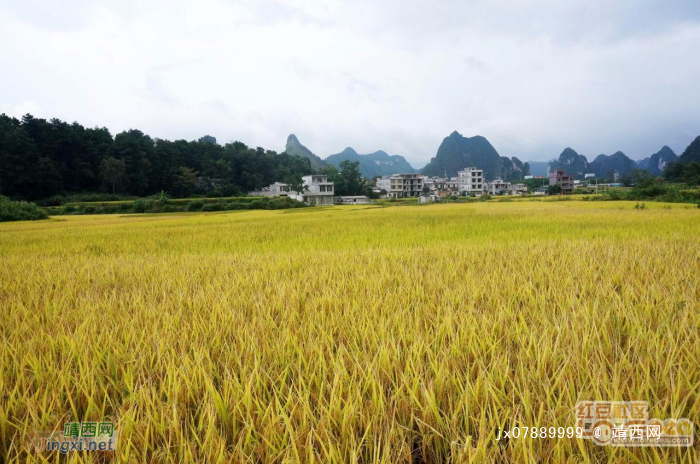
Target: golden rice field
[{"x": 349, "y": 334}]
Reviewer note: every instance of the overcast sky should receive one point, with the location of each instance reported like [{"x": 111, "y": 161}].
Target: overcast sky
[{"x": 532, "y": 76}]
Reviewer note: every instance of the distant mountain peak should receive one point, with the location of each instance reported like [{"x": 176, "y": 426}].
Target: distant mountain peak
[
  {"x": 656, "y": 164},
  {"x": 571, "y": 162},
  {"x": 294, "y": 147},
  {"x": 613, "y": 166},
  {"x": 457, "y": 152}
]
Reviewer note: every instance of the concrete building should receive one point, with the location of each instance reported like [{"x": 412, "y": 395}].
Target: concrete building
[
  {"x": 565, "y": 181},
  {"x": 317, "y": 191},
  {"x": 518, "y": 189},
  {"x": 448, "y": 192},
  {"x": 403, "y": 185},
  {"x": 383, "y": 183},
  {"x": 471, "y": 181},
  {"x": 439, "y": 184},
  {"x": 497, "y": 187},
  {"x": 279, "y": 189},
  {"x": 501, "y": 187},
  {"x": 429, "y": 198},
  {"x": 351, "y": 200}
]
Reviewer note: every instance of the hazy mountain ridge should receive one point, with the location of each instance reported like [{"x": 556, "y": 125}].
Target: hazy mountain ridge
[
  {"x": 457, "y": 152},
  {"x": 376, "y": 164},
  {"x": 605, "y": 166}
]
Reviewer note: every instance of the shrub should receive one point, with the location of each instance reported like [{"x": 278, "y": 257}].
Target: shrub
[
  {"x": 280, "y": 204},
  {"x": 20, "y": 211},
  {"x": 55, "y": 200},
  {"x": 140, "y": 206},
  {"x": 195, "y": 205},
  {"x": 234, "y": 205},
  {"x": 259, "y": 204},
  {"x": 212, "y": 207}
]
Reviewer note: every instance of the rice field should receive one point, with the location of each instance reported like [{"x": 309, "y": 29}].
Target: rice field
[{"x": 349, "y": 334}]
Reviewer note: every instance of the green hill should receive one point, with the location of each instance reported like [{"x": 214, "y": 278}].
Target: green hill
[{"x": 457, "y": 152}]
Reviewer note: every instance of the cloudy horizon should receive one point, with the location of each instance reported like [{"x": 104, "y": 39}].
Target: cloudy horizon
[{"x": 531, "y": 77}]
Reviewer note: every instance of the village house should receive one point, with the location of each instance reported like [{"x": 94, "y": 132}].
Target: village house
[
  {"x": 497, "y": 187},
  {"x": 351, "y": 200},
  {"x": 471, "y": 181},
  {"x": 439, "y": 184},
  {"x": 452, "y": 191},
  {"x": 382, "y": 183},
  {"x": 501, "y": 187},
  {"x": 518, "y": 189},
  {"x": 565, "y": 181},
  {"x": 401, "y": 185},
  {"x": 277, "y": 189},
  {"x": 429, "y": 198},
  {"x": 317, "y": 191},
  {"x": 380, "y": 193}
]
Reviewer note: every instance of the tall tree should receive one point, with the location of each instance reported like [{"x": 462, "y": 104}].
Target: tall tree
[{"x": 112, "y": 173}]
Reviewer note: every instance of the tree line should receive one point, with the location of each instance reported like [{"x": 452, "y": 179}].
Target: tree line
[{"x": 41, "y": 159}]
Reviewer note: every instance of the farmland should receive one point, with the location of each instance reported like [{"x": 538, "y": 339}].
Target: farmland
[{"x": 350, "y": 334}]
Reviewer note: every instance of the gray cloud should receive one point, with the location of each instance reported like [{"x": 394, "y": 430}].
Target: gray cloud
[{"x": 532, "y": 76}]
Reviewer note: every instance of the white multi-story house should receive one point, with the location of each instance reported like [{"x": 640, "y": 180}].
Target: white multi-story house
[
  {"x": 383, "y": 183},
  {"x": 471, "y": 181},
  {"x": 317, "y": 191},
  {"x": 499, "y": 186},
  {"x": 351, "y": 200},
  {"x": 440, "y": 184},
  {"x": 279, "y": 189},
  {"x": 405, "y": 185},
  {"x": 518, "y": 189}
]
